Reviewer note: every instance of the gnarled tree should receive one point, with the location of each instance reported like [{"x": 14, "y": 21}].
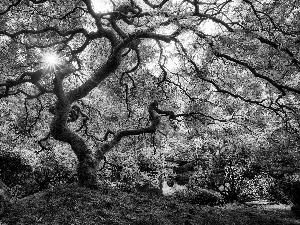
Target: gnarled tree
[{"x": 244, "y": 50}]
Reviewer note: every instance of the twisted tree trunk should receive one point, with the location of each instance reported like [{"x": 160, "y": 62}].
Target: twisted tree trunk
[
  {"x": 87, "y": 162},
  {"x": 87, "y": 166}
]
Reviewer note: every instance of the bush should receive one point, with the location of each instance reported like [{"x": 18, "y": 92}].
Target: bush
[
  {"x": 46, "y": 176},
  {"x": 289, "y": 188},
  {"x": 256, "y": 188},
  {"x": 26, "y": 188},
  {"x": 200, "y": 197},
  {"x": 13, "y": 169},
  {"x": 124, "y": 187},
  {"x": 294, "y": 192}
]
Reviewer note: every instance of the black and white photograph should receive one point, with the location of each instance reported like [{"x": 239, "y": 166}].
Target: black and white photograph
[{"x": 149, "y": 112}]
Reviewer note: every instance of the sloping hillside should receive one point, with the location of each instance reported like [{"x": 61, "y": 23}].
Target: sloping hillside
[{"x": 73, "y": 205}]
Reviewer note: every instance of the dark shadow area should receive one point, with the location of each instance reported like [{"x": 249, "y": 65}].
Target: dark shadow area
[{"x": 73, "y": 205}]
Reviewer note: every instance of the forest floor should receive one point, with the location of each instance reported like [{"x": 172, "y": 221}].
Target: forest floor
[{"x": 73, "y": 205}]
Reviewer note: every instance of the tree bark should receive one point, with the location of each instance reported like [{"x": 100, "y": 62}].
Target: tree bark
[{"x": 87, "y": 166}]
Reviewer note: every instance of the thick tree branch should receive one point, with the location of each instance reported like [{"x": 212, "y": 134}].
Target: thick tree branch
[
  {"x": 112, "y": 64},
  {"x": 45, "y": 30},
  {"x": 280, "y": 87},
  {"x": 154, "y": 116},
  {"x": 155, "y": 6}
]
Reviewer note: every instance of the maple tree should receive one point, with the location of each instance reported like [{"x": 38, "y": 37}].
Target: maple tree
[{"x": 209, "y": 61}]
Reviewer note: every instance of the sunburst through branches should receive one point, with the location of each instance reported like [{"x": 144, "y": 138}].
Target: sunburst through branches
[{"x": 51, "y": 61}]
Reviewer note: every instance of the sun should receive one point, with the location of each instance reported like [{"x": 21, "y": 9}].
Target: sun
[{"x": 51, "y": 60}]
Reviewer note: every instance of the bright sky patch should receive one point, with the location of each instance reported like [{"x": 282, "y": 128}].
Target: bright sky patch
[{"x": 102, "y": 6}]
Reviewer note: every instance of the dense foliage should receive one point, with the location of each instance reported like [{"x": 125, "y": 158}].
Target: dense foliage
[
  {"x": 202, "y": 93},
  {"x": 13, "y": 169}
]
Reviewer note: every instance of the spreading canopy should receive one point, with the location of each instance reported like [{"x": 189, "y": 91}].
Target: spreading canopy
[{"x": 197, "y": 55}]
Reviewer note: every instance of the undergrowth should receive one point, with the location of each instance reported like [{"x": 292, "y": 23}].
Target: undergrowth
[{"x": 75, "y": 205}]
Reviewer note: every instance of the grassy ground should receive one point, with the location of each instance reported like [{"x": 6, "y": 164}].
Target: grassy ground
[{"x": 73, "y": 205}]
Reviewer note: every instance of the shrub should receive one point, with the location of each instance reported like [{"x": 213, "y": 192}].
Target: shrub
[
  {"x": 256, "y": 188},
  {"x": 199, "y": 196},
  {"x": 46, "y": 176},
  {"x": 26, "y": 188},
  {"x": 289, "y": 189},
  {"x": 13, "y": 169},
  {"x": 125, "y": 187}
]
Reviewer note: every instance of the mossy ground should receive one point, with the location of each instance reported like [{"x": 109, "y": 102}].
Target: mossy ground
[{"x": 74, "y": 205}]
